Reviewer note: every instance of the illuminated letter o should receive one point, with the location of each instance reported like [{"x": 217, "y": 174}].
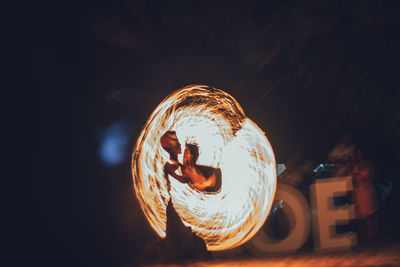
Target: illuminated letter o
[{"x": 299, "y": 221}]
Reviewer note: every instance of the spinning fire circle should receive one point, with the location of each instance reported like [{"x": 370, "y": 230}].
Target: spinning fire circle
[{"x": 227, "y": 140}]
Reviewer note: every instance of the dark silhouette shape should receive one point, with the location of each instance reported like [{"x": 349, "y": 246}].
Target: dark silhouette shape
[
  {"x": 365, "y": 199},
  {"x": 180, "y": 243},
  {"x": 171, "y": 144},
  {"x": 202, "y": 178}
]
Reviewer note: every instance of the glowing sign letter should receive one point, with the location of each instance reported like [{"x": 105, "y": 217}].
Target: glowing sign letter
[
  {"x": 326, "y": 215},
  {"x": 296, "y": 209}
]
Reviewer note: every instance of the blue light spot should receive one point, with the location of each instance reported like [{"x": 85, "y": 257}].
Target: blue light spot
[{"x": 114, "y": 144}]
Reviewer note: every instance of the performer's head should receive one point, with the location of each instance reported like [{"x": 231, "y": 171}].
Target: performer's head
[{"x": 170, "y": 143}]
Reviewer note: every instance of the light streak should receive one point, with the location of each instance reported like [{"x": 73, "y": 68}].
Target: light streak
[{"x": 228, "y": 140}]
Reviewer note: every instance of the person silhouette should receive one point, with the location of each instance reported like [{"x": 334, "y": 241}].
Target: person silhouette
[
  {"x": 170, "y": 143},
  {"x": 191, "y": 173},
  {"x": 180, "y": 242}
]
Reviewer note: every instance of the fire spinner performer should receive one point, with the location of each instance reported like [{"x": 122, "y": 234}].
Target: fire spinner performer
[
  {"x": 180, "y": 242},
  {"x": 215, "y": 196}
]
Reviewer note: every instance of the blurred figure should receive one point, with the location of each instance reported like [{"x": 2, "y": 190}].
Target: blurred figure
[
  {"x": 364, "y": 196},
  {"x": 342, "y": 155}
]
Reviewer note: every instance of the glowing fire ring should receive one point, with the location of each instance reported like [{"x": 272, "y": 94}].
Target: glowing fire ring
[{"x": 227, "y": 140}]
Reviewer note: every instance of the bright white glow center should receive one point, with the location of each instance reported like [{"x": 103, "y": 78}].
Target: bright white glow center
[{"x": 227, "y": 140}]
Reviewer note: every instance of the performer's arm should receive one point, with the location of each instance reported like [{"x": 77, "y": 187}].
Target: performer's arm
[
  {"x": 171, "y": 171},
  {"x": 179, "y": 177}
]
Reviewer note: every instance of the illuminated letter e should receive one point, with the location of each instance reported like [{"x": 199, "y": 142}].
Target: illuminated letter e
[{"x": 326, "y": 215}]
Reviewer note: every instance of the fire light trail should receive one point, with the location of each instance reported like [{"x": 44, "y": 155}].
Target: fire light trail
[{"x": 228, "y": 140}]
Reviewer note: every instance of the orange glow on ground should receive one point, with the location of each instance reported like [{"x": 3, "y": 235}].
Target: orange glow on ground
[{"x": 227, "y": 140}]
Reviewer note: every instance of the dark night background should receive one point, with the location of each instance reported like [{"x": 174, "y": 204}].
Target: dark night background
[{"x": 306, "y": 72}]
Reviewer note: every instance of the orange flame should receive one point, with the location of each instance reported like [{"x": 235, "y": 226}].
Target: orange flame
[{"x": 228, "y": 140}]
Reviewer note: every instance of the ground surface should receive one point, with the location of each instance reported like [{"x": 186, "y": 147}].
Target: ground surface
[{"x": 382, "y": 253}]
